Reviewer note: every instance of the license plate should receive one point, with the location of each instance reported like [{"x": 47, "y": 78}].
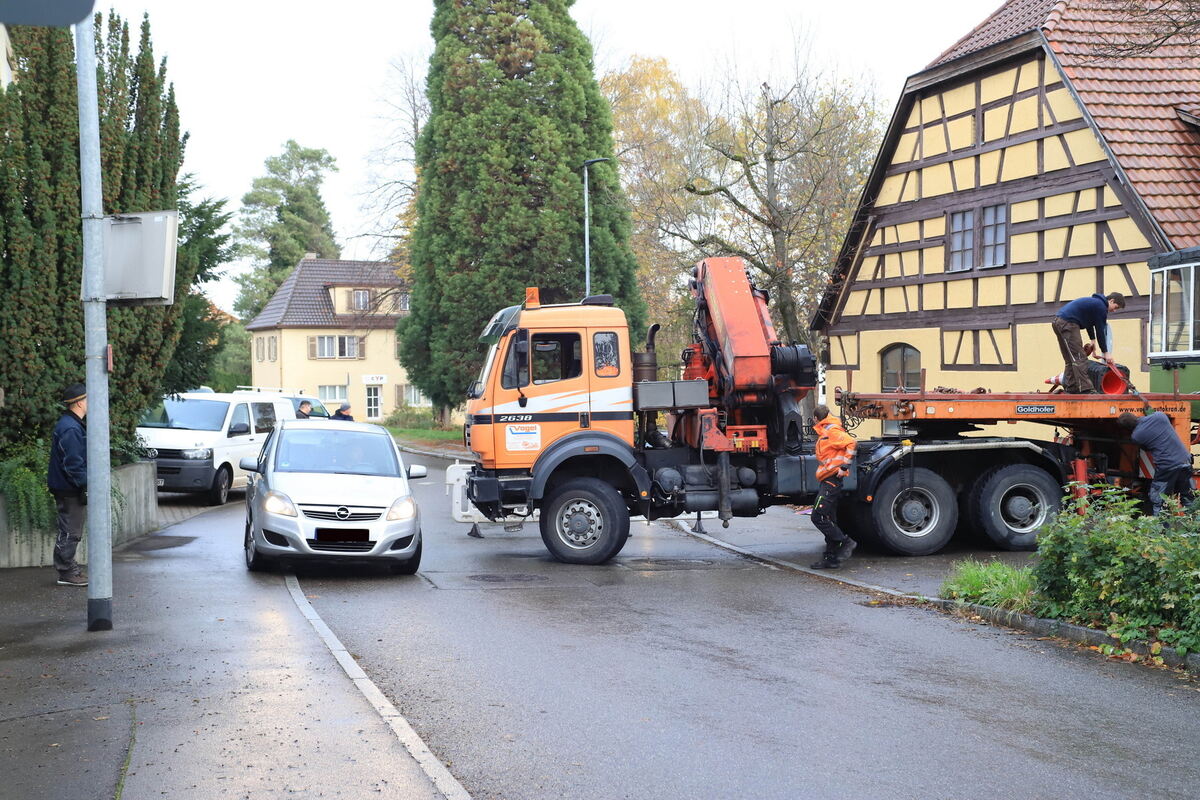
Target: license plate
[{"x": 159, "y": 482}]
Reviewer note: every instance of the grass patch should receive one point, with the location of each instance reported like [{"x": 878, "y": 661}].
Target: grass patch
[
  {"x": 991, "y": 583},
  {"x": 427, "y": 435}
]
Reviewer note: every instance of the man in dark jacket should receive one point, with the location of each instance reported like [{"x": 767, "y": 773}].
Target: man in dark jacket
[
  {"x": 67, "y": 479},
  {"x": 1155, "y": 434},
  {"x": 343, "y": 413},
  {"x": 1090, "y": 314}
]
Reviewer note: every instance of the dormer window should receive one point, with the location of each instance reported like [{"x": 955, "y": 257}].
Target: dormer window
[{"x": 361, "y": 300}]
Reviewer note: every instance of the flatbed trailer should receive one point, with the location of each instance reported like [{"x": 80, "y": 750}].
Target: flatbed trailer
[{"x": 1004, "y": 487}]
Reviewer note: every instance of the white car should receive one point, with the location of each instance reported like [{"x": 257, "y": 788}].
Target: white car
[{"x": 331, "y": 492}]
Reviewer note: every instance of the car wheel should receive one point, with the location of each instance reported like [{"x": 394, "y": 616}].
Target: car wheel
[
  {"x": 1012, "y": 503},
  {"x": 914, "y": 512},
  {"x": 584, "y": 522},
  {"x": 410, "y": 566},
  {"x": 219, "y": 493},
  {"x": 255, "y": 561}
]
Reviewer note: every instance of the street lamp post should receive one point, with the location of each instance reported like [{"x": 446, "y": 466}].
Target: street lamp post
[{"x": 587, "y": 221}]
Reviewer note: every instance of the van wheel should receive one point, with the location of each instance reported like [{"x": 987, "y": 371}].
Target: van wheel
[
  {"x": 1012, "y": 503},
  {"x": 584, "y": 521},
  {"x": 219, "y": 493},
  {"x": 410, "y": 566},
  {"x": 914, "y": 511}
]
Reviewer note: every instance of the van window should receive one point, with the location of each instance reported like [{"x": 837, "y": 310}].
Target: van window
[
  {"x": 192, "y": 415},
  {"x": 264, "y": 417},
  {"x": 241, "y": 414}
]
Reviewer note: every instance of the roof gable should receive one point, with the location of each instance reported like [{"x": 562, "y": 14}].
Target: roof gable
[{"x": 302, "y": 300}]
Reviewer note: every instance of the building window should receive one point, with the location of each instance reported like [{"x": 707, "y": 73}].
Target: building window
[
  {"x": 414, "y": 397},
  {"x": 259, "y": 347},
  {"x": 994, "y": 236},
  {"x": 1174, "y": 309},
  {"x": 402, "y": 301},
  {"x": 901, "y": 370},
  {"x": 332, "y": 394},
  {"x": 362, "y": 299},
  {"x": 374, "y": 393},
  {"x": 272, "y": 349},
  {"x": 334, "y": 347},
  {"x": 961, "y": 248}
]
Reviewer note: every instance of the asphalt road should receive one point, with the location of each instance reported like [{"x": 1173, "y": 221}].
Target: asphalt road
[{"x": 682, "y": 670}]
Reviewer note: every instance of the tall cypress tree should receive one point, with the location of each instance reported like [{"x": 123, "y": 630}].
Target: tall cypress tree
[{"x": 515, "y": 111}]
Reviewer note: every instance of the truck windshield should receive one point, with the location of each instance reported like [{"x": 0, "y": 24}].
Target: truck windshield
[
  {"x": 477, "y": 388},
  {"x": 188, "y": 414}
]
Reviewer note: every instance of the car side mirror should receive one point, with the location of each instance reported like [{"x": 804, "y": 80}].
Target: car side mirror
[
  {"x": 417, "y": 471},
  {"x": 239, "y": 429},
  {"x": 249, "y": 464}
]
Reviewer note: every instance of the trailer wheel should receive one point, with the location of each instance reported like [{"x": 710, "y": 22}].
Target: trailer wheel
[
  {"x": 914, "y": 512},
  {"x": 1011, "y": 503},
  {"x": 584, "y": 522}
]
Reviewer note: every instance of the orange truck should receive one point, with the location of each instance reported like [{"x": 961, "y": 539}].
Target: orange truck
[{"x": 565, "y": 419}]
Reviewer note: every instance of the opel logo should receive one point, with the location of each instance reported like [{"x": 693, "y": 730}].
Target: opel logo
[
  {"x": 343, "y": 513},
  {"x": 151, "y": 453}
]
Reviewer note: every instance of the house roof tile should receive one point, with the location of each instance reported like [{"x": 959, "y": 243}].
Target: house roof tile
[{"x": 302, "y": 300}]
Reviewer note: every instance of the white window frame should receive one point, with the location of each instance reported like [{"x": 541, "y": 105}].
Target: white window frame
[
  {"x": 403, "y": 301},
  {"x": 1158, "y": 299},
  {"x": 414, "y": 398},
  {"x": 347, "y": 347},
  {"x": 272, "y": 349},
  {"x": 967, "y": 235},
  {"x": 374, "y": 401},
  {"x": 260, "y": 347},
  {"x": 361, "y": 300},
  {"x": 333, "y": 393},
  {"x": 326, "y": 347}
]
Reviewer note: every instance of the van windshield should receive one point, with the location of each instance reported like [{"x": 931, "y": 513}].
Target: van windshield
[{"x": 192, "y": 415}]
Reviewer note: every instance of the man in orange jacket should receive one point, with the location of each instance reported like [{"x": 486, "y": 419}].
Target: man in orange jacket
[{"x": 835, "y": 451}]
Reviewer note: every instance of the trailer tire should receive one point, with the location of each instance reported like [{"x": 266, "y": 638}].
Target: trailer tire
[
  {"x": 584, "y": 521},
  {"x": 1011, "y": 503},
  {"x": 914, "y": 512}
]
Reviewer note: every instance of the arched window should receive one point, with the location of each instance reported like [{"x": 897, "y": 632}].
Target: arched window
[{"x": 901, "y": 368}]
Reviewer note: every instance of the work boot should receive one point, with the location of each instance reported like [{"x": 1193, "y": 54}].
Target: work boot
[
  {"x": 837, "y": 556},
  {"x": 76, "y": 578}
]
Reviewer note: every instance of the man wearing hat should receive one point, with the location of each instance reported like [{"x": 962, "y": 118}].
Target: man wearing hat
[
  {"x": 343, "y": 413},
  {"x": 67, "y": 479}
]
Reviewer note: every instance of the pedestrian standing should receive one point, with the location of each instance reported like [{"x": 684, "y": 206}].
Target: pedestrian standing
[
  {"x": 835, "y": 451},
  {"x": 343, "y": 413},
  {"x": 1090, "y": 314},
  {"x": 67, "y": 479},
  {"x": 1155, "y": 434}
]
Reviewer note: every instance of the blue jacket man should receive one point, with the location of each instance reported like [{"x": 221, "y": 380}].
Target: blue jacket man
[
  {"x": 1155, "y": 434},
  {"x": 1090, "y": 314},
  {"x": 67, "y": 479}
]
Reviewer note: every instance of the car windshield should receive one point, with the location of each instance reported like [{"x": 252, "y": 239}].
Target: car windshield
[
  {"x": 185, "y": 413},
  {"x": 339, "y": 452}
]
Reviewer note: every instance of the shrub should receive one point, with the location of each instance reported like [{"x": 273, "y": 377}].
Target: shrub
[
  {"x": 991, "y": 583},
  {"x": 1111, "y": 567},
  {"x": 413, "y": 418},
  {"x": 28, "y": 503}
]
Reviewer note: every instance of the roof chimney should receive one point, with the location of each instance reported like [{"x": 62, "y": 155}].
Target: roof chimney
[{"x": 309, "y": 257}]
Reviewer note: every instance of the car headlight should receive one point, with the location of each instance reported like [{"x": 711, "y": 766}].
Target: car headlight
[
  {"x": 403, "y": 508},
  {"x": 198, "y": 453},
  {"x": 278, "y": 503}
]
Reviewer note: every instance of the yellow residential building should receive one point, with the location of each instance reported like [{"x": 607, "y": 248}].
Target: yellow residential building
[
  {"x": 1017, "y": 174},
  {"x": 330, "y": 331}
]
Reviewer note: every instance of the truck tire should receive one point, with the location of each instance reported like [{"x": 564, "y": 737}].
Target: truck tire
[
  {"x": 854, "y": 518},
  {"x": 914, "y": 512},
  {"x": 1011, "y": 503},
  {"x": 584, "y": 521}
]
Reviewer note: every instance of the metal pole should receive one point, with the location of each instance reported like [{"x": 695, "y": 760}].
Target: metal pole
[
  {"x": 587, "y": 242},
  {"x": 99, "y": 514}
]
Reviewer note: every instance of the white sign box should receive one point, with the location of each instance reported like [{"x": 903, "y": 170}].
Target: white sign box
[
  {"x": 369, "y": 379},
  {"x": 139, "y": 258}
]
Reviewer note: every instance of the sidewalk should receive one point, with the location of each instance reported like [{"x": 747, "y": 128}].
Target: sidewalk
[{"x": 212, "y": 684}]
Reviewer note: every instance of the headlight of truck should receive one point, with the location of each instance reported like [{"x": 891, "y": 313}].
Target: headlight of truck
[
  {"x": 278, "y": 503},
  {"x": 403, "y": 508},
  {"x": 198, "y": 453}
]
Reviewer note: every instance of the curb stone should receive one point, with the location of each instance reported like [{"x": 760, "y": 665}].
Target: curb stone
[{"x": 1039, "y": 626}]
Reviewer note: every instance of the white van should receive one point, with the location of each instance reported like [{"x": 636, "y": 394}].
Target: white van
[{"x": 198, "y": 439}]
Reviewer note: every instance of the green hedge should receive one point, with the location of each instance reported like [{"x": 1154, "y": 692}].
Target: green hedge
[{"x": 1111, "y": 567}]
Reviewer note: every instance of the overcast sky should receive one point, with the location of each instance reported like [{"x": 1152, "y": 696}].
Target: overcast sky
[{"x": 250, "y": 74}]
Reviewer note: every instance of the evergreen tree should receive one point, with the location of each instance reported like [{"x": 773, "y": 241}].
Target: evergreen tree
[
  {"x": 515, "y": 111},
  {"x": 283, "y": 218}
]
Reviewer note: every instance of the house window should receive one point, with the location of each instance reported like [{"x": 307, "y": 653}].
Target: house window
[
  {"x": 335, "y": 347},
  {"x": 1174, "y": 308},
  {"x": 962, "y": 240},
  {"x": 901, "y": 369},
  {"x": 402, "y": 301},
  {"x": 994, "y": 238},
  {"x": 259, "y": 347},
  {"x": 272, "y": 350},
  {"x": 332, "y": 394},
  {"x": 374, "y": 393},
  {"x": 414, "y": 397},
  {"x": 326, "y": 346},
  {"x": 362, "y": 299},
  {"x": 347, "y": 347}
]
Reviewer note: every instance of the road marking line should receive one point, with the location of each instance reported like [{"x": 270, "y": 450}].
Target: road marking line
[
  {"x": 436, "y": 771},
  {"x": 790, "y": 565}
]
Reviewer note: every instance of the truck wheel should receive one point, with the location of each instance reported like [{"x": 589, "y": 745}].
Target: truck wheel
[
  {"x": 584, "y": 522},
  {"x": 1011, "y": 503},
  {"x": 854, "y": 518},
  {"x": 914, "y": 512},
  {"x": 219, "y": 493}
]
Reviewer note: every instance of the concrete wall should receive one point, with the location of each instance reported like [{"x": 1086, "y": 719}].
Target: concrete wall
[{"x": 139, "y": 516}]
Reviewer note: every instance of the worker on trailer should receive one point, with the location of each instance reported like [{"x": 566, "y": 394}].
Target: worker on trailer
[
  {"x": 835, "y": 451},
  {"x": 1155, "y": 434},
  {"x": 1085, "y": 313}
]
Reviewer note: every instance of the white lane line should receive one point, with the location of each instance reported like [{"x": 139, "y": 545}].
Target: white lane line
[
  {"x": 446, "y": 783},
  {"x": 790, "y": 565}
]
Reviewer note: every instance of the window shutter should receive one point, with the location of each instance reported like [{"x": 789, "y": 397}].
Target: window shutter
[
  {"x": 362, "y": 347},
  {"x": 399, "y": 395},
  {"x": 312, "y": 347},
  {"x": 350, "y": 300}
]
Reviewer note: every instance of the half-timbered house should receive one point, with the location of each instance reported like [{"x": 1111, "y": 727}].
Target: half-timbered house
[{"x": 1019, "y": 172}]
